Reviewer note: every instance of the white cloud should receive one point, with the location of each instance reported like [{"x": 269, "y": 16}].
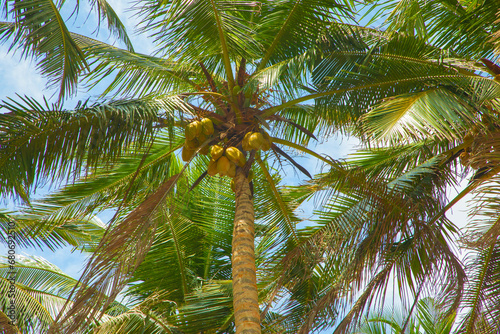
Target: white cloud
[{"x": 19, "y": 76}]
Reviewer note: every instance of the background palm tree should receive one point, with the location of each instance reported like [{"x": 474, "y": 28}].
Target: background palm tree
[
  {"x": 425, "y": 104},
  {"x": 41, "y": 291},
  {"x": 232, "y": 64}
]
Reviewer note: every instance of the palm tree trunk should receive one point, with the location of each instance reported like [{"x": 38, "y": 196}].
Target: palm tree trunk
[{"x": 245, "y": 297}]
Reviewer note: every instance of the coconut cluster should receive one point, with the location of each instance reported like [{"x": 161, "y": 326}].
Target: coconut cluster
[
  {"x": 256, "y": 141},
  {"x": 224, "y": 161},
  {"x": 196, "y": 133}
]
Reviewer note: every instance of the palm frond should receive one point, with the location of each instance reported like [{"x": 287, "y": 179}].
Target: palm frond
[
  {"x": 361, "y": 79},
  {"x": 462, "y": 26},
  {"x": 220, "y": 28},
  {"x": 107, "y": 186},
  {"x": 83, "y": 233},
  {"x": 307, "y": 19},
  {"x": 193, "y": 241},
  {"x": 150, "y": 316},
  {"x": 481, "y": 302},
  {"x": 6, "y": 324},
  {"x": 279, "y": 210},
  {"x": 432, "y": 113},
  {"x": 115, "y": 25},
  {"x": 38, "y": 139},
  {"x": 357, "y": 223},
  {"x": 40, "y": 31},
  {"x": 134, "y": 73},
  {"x": 207, "y": 308},
  {"x": 106, "y": 273},
  {"x": 41, "y": 290}
]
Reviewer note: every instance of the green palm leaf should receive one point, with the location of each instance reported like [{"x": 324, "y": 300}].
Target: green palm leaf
[
  {"x": 110, "y": 267},
  {"x": 433, "y": 113},
  {"x": 459, "y": 25},
  {"x": 41, "y": 32},
  {"x": 36, "y": 139},
  {"x": 307, "y": 18},
  {"x": 41, "y": 291},
  {"x": 218, "y": 27},
  {"x": 138, "y": 74},
  {"x": 480, "y": 301},
  {"x": 107, "y": 186},
  {"x": 83, "y": 233}
]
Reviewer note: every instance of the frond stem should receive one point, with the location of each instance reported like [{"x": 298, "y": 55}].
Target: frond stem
[
  {"x": 273, "y": 110},
  {"x": 277, "y": 39},
  {"x": 225, "y": 51},
  {"x": 300, "y": 148}
]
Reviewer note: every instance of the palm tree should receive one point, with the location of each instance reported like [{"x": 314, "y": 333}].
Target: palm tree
[
  {"x": 469, "y": 32},
  {"x": 410, "y": 101},
  {"x": 41, "y": 291},
  {"x": 184, "y": 283},
  {"x": 236, "y": 65},
  {"x": 426, "y": 107}
]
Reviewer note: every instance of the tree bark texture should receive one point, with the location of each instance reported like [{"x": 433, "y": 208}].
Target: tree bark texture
[{"x": 245, "y": 296}]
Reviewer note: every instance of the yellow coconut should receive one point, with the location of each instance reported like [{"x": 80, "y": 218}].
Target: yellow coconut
[
  {"x": 266, "y": 144},
  {"x": 191, "y": 130},
  {"x": 232, "y": 170},
  {"x": 197, "y": 127},
  {"x": 216, "y": 152},
  {"x": 223, "y": 165},
  {"x": 245, "y": 142},
  {"x": 233, "y": 186},
  {"x": 191, "y": 144},
  {"x": 242, "y": 161},
  {"x": 236, "y": 156},
  {"x": 207, "y": 126},
  {"x": 201, "y": 138},
  {"x": 212, "y": 168},
  {"x": 256, "y": 140},
  {"x": 187, "y": 153}
]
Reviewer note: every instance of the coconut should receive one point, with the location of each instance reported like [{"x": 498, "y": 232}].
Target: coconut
[
  {"x": 236, "y": 156},
  {"x": 207, "y": 126},
  {"x": 192, "y": 130},
  {"x": 245, "y": 142},
  {"x": 266, "y": 144},
  {"x": 187, "y": 153},
  {"x": 232, "y": 170},
  {"x": 212, "y": 168},
  {"x": 216, "y": 152},
  {"x": 223, "y": 165},
  {"x": 192, "y": 144},
  {"x": 256, "y": 140}
]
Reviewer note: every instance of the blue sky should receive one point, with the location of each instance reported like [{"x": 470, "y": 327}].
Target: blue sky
[{"x": 19, "y": 76}]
